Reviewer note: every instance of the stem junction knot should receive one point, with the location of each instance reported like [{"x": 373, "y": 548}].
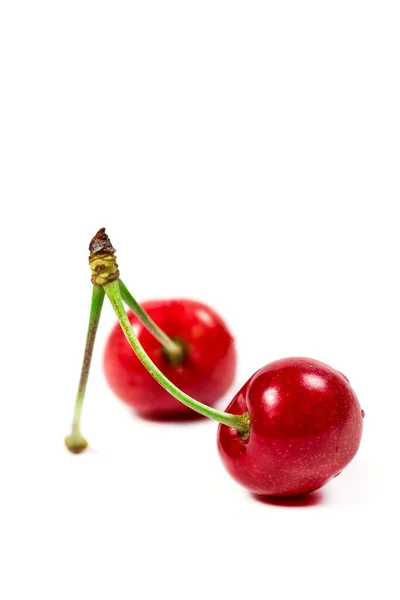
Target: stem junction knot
[{"x": 102, "y": 260}]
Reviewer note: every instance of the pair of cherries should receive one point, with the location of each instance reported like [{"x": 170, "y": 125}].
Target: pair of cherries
[
  {"x": 305, "y": 420},
  {"x": 291, "y": 428}
]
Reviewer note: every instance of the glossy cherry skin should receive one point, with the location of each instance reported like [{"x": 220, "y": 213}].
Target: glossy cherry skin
[
  {"x": 206, "y": 372},
  {"x": 305, "y": 427}
]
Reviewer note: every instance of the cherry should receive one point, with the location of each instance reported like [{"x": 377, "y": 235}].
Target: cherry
[
  {"x": 198, "y": 352},
  {"x": 205, "y": 368},
  {"x": 305, "y": 427}
]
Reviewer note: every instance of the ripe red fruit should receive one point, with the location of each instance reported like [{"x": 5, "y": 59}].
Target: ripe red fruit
[
  {"x": 305, "y": 427},
  {"x": 206, "y": 371}
]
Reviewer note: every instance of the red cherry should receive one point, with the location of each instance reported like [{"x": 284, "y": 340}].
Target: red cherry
[
  {"x": 206, "y": 371},
  {"x": 305, "y": 427}
]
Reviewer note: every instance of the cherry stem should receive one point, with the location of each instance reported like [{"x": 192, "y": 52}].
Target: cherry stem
[
  {"x": 239, "y": 422},
  {"x": 75, "y": 442},
  {"x": 174, "y": 350}
]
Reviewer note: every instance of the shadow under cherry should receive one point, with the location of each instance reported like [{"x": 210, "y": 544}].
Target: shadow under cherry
[
  {"x": 192, "y": 417},
  {"x": 313, "y": 499}
]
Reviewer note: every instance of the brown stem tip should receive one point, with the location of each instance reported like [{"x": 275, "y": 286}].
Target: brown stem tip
[
  {"x": 102, "y": 261},
  {"x": 101, "y": 244}
]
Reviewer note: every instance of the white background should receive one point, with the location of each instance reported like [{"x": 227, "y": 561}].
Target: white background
[{"x": 242, "y": 153}]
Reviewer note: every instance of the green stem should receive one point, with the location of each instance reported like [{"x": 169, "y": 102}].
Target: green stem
[
  {"x": 174, "y": 350},
  {"x": 239, "y": 422},
  {"x": 75, "y": 442}
]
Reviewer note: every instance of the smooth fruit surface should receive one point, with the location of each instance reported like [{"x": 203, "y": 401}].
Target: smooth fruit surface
[
  {"x": 305, "y": 427},
  {"x": 205, "y": 373}
]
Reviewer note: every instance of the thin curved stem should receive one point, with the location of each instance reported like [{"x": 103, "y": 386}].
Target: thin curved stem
[
  {"x": 75, "y": 442},
  {"x": 239, "y": 422},
  {"x": 173, "y": 349}
]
